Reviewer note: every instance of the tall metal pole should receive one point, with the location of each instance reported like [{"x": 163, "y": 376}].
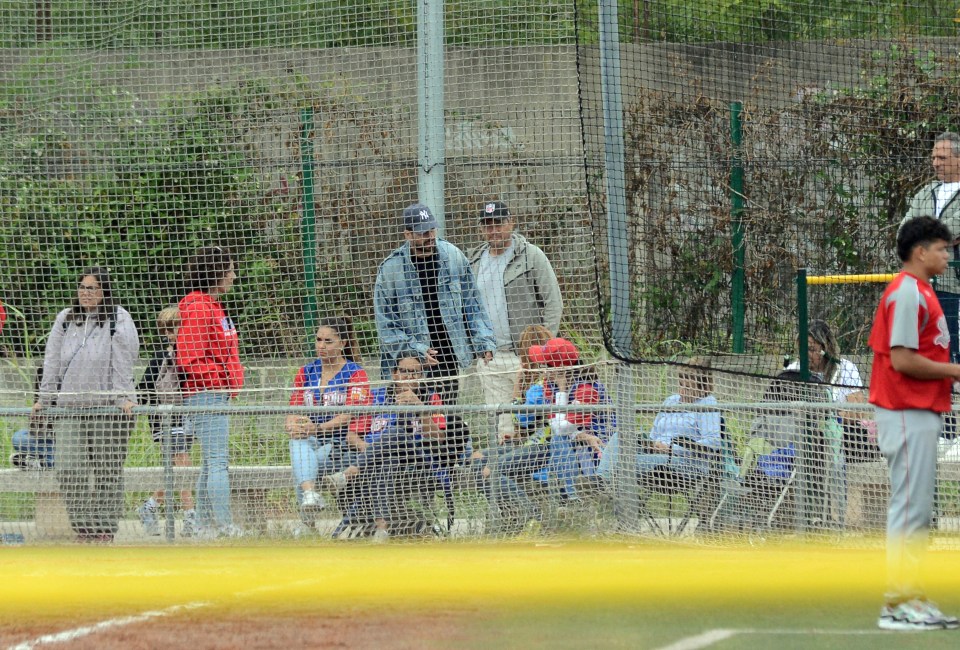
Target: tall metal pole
[
  {"x": 618, "y": 239},
  {"x": 308, "y": 226},
  {"x": 618, "y": 246},
  {"x": 431, "y": 150},
  {"x": 736, "y": 223}
]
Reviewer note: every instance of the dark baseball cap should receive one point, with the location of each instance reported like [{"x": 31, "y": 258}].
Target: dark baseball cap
[
  {"x": 418, "y": 218},
  {"x": 494, "y": 210}
]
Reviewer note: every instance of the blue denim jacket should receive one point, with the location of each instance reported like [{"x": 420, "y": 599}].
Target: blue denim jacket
[{"x": 402, "y": 318}]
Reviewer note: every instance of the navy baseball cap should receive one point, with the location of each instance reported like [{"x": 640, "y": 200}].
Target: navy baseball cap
[
  {"x": 494, "y": 210},
  {"x": 418, "y": 218}
]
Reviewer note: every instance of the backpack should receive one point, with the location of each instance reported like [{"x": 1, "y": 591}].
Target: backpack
[{"x": 167, "y": 385}]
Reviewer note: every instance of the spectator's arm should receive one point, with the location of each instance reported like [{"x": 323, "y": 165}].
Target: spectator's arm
[
  {"x": 393, "y": 337},
  {"x": 478, "y": 325},
  {"x": 549, "y": 289},
  {"x": 125, "y": 352},
  {"x": 49, "y": 383},
  {"x": 535, "y": 395}
]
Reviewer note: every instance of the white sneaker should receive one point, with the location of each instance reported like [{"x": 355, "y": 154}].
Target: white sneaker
[
  {"x": 949, "y": 622},
  {"x": 913, "y": 615},
  {"x": 149, "y": 520},
  {"x": 335, "y": 482},
  {"x": 231, "y": 531},
  {"x": 312, "y": 501},
  {"x": 189, "y": 528}
]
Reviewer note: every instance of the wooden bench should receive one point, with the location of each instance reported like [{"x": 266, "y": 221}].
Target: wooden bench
[
  {"x": 868, "y": 491},
  {"x": 248, "y": 487}
]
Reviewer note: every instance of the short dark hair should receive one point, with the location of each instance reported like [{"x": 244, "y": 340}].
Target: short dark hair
[
  {"x": 920, "y": 231},
  {"x": 207, "y": 267}
]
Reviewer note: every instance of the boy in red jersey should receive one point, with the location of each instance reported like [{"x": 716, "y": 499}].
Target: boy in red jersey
[{"x": 910, "y": 386}]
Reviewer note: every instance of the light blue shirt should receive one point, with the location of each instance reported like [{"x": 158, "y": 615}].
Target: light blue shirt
[{"x": 702, "y": 427}]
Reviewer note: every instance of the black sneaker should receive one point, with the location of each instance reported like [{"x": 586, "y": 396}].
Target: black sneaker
[{"x": 25, "y": 462}]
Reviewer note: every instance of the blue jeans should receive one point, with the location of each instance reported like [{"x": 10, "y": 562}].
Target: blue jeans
[
  {"x": 308, "y": 456},
  {"x": 519, "y": 462},
  {"x": 28, "y": 444},
  {"x": 212, "y": 430}
]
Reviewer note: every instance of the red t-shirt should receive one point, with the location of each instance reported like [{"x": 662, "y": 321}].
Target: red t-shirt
[
  {"x": 909, "y": 315},
  {"x": 208, "y": 350}
]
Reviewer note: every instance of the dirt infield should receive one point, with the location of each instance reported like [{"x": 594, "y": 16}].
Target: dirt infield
[{"x": 278, "y": 630}]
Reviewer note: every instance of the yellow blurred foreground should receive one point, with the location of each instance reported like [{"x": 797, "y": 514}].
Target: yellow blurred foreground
[{"x": 58, "y": 581}]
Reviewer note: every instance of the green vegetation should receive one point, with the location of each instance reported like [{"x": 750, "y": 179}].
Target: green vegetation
[{"x": 329, "y": 23}]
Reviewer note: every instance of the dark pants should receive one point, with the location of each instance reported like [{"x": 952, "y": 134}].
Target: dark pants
[
  {"x": 90, "y": 452},
  {"x": 445, "y": 379}
]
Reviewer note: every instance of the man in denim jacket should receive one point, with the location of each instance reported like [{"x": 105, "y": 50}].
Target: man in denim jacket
[{"x": 426, "y": 299}]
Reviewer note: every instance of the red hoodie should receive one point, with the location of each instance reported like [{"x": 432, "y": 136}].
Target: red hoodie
[{"x": 207, "y": 346}]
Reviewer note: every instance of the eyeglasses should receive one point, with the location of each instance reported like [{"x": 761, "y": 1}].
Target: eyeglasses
[{"x": 89, "y": 288}]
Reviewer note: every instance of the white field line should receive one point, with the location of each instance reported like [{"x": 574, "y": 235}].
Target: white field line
[
  {"x": 76, "y": 633},
  {"x": 710, "y": 637},
  {"x": 704, "y": 640}
]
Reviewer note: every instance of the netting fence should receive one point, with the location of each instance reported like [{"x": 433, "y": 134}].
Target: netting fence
[{"x": 133, "y": 133}]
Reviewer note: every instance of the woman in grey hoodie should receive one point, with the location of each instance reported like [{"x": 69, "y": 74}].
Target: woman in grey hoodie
[{"x": 88, "y": 369}]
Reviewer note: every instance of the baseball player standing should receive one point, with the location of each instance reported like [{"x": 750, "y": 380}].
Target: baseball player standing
[{"x": 910, "y": 386}]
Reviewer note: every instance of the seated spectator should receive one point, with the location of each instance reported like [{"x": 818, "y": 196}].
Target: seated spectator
[
  {"x": 681, "y": 441},
  {"x": 33, "y": 447},
  {"x": 846, "y": 386},
  {"x": 792, "y": 437},
  {"x": 526, "y": 450},
  {"x": 564, "y": 446},
  {"x": 324, "y": 442},
  {"x": 400, "y": 448}
]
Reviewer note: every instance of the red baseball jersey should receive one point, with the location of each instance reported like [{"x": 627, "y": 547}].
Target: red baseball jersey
[{"x": 909, "y": 315}]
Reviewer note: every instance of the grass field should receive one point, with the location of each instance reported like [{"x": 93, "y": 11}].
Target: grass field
[{"x": 552, "y": 594}]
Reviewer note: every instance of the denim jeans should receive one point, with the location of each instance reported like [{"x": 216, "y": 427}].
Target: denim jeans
[
  {"x": 310, "y": 458},
  {"x": 212, "y": 430},
  {"x": 24, "y": 442},
  {"x": 512, "y": 464}
]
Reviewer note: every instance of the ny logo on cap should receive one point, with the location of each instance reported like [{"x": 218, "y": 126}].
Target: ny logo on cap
[
  {"x": 489, "y": 208},
  {"x": 424, "y": 216}
]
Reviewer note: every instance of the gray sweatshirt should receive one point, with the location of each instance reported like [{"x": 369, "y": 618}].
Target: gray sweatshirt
[{"x": 90, "y": 367}]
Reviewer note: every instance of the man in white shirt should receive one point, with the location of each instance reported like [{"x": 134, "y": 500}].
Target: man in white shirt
[
  {"x": 940, "y": 199},
  {"x": 518, "y": 288}
]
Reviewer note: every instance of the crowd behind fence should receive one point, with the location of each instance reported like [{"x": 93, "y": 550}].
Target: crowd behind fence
[{"x": 741, "y": 468}]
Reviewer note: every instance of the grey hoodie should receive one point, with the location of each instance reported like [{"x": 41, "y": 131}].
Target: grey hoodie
[{"x": 90, "y": 367}]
